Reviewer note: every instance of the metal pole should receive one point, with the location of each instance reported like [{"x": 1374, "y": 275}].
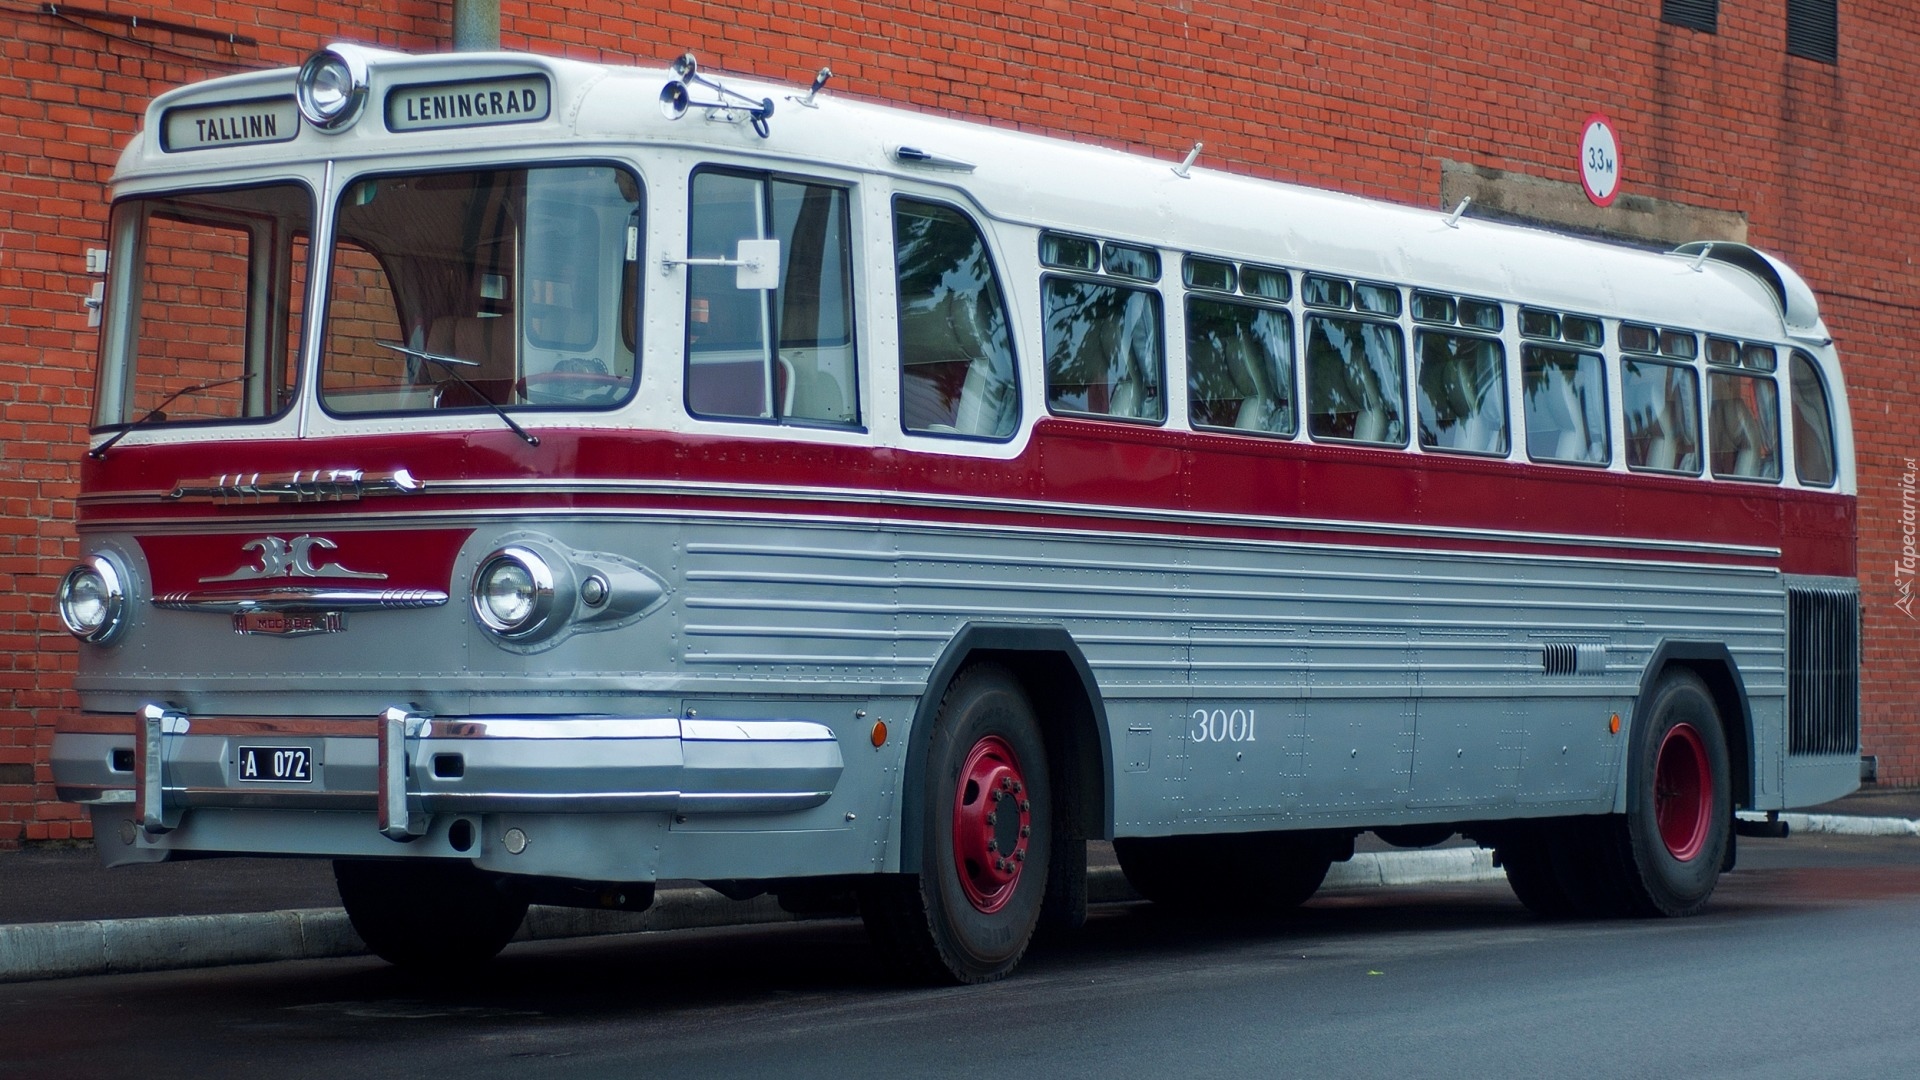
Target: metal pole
[{"x": 476, "y": 25}]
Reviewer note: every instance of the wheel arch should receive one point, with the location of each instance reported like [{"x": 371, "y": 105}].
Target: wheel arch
[
  {"x": 1060, "y": 685},
  {"x": 1714, "y": 664}
]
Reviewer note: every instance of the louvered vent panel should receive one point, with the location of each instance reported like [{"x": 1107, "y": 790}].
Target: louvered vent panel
[
  {"x": 1695, "y": 14},
  {"x": 1823, "y": 671},
  {"x": 1813, "y": 29}
]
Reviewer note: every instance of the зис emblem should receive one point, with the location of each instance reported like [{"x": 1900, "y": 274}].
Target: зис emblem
[{"x": 295, "y": 558}]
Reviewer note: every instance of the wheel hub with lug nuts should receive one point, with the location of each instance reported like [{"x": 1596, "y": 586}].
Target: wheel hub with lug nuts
[{"x": 992, "y": 823}]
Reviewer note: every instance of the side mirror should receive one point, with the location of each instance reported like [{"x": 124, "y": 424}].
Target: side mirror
[{"x": 757, "y": 265}]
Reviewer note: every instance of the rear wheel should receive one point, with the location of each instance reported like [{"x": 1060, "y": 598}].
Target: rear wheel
[
  {"x": 1247, "y": 872},
  {"x": 1673, "y": 839},
  {"x": 430, "y": 915},
  {"x": 1523, "y": 849},
  {"x": 986, "y": 842}
]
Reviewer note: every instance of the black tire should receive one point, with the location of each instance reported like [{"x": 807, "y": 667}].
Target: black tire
[
  {"x": 1669, "y": 846},
  {"x": 430, "y": 915},
  {"x": 986, "y": 841},
  {"x": 1250, "y": 873},
  {"x": 1524, "y": 850}
]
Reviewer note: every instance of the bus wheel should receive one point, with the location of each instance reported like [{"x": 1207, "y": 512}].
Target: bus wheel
[
  {"x": 986, "y": 842},
  {"x": 1523, "y": 850},
  {"x": 1266, "y": 873},
  {"x": 431, "y": 915},
  {"x": 1679, "y": 802}
]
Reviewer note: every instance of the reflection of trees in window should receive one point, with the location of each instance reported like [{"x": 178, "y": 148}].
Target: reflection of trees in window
[
  {"x": 1566, "y": 405},
  {"x": 1744, "y": 426},
  {"x": 1661, "y": 403},
  {"x": 1355, "y": 380},
  {"x": 1103, "y": 349},
  {"x": 956, "y": 352},
  {"x": 1463, "y": 397},
  {"x": 1813, "y": 454},
  {"x": 1239, "y": 367}
]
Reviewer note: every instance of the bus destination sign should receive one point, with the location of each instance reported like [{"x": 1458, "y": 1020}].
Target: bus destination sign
[
  {"x": 230, "y": 123},
  {"x": 520, "y": 100}
]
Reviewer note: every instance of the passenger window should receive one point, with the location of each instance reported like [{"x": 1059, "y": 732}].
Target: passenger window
[
  {"x": 1356, "y": 379},
  {"x": 1239, "y": 367},
  {"x": 1566, "y": 405},
  {"x": 1463, "y": 393},
  {"x": 1744, "y": 425},
  {"x": 1813, "y": 452},
  {"x": 1662, "y": 407},
  {"x": 1104, "y": 352},
  {"x": 957, "y": 375},
  {"x": 808, "y": 372}
]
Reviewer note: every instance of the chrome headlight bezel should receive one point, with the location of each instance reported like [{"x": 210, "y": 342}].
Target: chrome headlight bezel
[
  {"x": 544, "y": 613},
  {"x": 95, "y": 580},
  {"x": 331, "y": 88}
]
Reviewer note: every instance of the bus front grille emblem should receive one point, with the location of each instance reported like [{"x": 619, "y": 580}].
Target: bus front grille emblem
[{"x": 280, "y": 558}]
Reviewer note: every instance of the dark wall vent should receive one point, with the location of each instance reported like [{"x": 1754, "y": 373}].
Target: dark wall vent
[
  {"x": 1693, "y": 14},
  {"x": 1823, "y": 671},
  {"x": 1813, "y": 29}
]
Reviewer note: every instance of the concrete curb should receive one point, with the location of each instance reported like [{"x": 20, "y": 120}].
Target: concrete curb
[
  {"x": 1842, "y": 824},
  {"x": 30, "y": 951}
]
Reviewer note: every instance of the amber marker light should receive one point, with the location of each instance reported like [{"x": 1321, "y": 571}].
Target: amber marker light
[
  {"x": 879, "y": 734},
  {"x": 1613, "y": 725}
]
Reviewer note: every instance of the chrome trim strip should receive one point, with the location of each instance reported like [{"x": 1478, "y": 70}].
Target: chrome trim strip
[
  {"x": 754, "y": 731},
  {"x": 300, "y": 486},
  {"x": 983, "y": 503},
  {"x": 298, "y": 598},
  {"x": 613, "y": 727}
]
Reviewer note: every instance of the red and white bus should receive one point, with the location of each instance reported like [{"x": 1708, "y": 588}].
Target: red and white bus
[{"x": 526, "y": 480}]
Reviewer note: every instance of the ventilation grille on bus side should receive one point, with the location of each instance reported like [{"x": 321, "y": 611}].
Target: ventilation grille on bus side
[
  {"x": 1573, "y": 658},
  {"x": 1823, "y": 670}
]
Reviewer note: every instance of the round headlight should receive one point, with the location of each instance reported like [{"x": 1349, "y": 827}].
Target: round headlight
[
  {"x": 332, "y": 87},
  {"x": 513, "y": 593},
  {"x": 93, "y": 600}
]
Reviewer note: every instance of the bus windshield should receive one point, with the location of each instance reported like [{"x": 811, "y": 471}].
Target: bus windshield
[
  {"x": 208, "y": 290},
  {"x": 483, "y": 289}
]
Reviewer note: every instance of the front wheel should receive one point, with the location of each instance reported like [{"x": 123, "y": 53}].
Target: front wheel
[
  {"x": 986, "y": 840},
  {"x": 430, "y": 915}
]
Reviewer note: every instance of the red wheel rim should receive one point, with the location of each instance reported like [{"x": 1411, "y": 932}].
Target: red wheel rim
[
  {"x": 1682, "y": 792},
  {"x": 992, "y": 821}
]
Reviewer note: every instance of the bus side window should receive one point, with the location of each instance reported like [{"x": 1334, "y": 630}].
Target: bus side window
[
  {"x": 1239, "y": 367},
  {"x": 732, "y": 370},
  {"x": 1744, "y": 425},
  {"x": 1356, "y": 380},
  {"x": 1104, "y": 353},
  {"x": 1463, "y": 393},
  {"x": 1813, "y": 454},
  {"x": 1662, "y": 406},
  {"x": 1566, "y": 405},
  {"x": 957, "y": 373}
]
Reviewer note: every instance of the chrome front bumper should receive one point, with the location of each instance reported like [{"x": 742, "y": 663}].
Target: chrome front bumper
[{"x": 406, "y": 767}]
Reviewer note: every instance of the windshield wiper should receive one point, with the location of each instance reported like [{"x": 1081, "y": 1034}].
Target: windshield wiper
[
  {"x": 451, "y": 365},
  {"x": 158, "y": 412}
]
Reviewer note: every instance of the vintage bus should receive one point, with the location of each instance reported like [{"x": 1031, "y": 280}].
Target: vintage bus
[{"x": 518, "y": 479}]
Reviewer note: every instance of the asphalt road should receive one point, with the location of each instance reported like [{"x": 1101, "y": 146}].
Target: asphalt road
[{"x": 1807, "y": 964}]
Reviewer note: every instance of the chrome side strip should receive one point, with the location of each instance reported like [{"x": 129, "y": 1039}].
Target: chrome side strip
[
  {"x": 987, "y": 504},
  {"x": 296, "y": 598},
  {"x": 300, "y": 486}
]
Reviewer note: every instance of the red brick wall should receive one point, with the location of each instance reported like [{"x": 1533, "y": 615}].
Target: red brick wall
[{"x": 1367, "y": 96}]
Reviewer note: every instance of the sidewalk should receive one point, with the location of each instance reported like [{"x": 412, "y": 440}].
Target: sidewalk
[{"x": 62, "y": 914}]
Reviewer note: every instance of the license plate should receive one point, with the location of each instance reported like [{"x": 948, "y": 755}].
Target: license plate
[
  {"x": 289, "y": 623},
  {"x": 276, "y": 764}
]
